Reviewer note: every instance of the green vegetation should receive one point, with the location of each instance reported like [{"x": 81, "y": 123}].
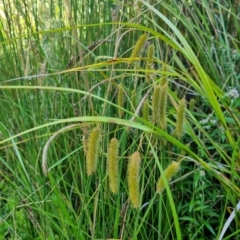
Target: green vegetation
[{"x": 77, "y": 72}]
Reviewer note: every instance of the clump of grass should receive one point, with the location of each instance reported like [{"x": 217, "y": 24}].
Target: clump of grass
[
  {"x": 112, "y": 165},
  {"x": 192, "y": 60},
  {"x": 92, "y": 151},
  {"x": 169, "y": 173},
  {"x": 180, "y": 118},
  {"x": 133, "y": 178}
]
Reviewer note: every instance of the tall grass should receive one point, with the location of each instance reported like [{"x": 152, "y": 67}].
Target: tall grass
[{"x": 70, "y": 67}]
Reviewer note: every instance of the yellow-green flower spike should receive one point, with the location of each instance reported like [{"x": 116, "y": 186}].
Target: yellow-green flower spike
[
  {"x": 112, "y": 165},
  {"x": 145, "y": 110},
  {"x": 136, "y": 50},
  {"x": 169, "y": 173},
  {"x": 92, "y": 151},
  {"x": 149, "y": 62},
  {"x": 120, "y": 100},
  {"x": 133, "y": 178},
  {"x": 180, "y": 118}
]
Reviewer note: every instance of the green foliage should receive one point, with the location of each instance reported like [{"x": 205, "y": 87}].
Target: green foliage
[{"x": 62, "y": 65}]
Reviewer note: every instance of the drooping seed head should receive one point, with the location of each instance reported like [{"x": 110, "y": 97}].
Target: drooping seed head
[
  {"x": 136, "y": 50},
  {"x": 169, "y": 173}
]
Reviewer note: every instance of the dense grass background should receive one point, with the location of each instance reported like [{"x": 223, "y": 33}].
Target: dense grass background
[{"x": 62, "y": 63}]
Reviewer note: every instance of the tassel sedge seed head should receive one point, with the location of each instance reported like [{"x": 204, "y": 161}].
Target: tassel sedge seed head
[
  {"x": 133, "y": 178},
  {"x": 112, "y": 165}
]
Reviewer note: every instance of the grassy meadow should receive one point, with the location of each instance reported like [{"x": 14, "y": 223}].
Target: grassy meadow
[{"x": 120, "y": 119}]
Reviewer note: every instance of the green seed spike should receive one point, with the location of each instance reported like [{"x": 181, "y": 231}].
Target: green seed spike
[
  {"x": 163, "y": 106},
  {"x": 156, "y": 104},
  {"x": 149, "y": 62},
  {"x": 169, "y": 173},
  {"x": 133, "y": 178},
  {"x": 92, "y": 151},
  {"x": 140, "y": 43},
  {"x": 112, "y": 165},
  {"x": 180, "y": 118}
]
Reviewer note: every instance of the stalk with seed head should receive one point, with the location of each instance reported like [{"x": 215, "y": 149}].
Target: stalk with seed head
[
  {"x": 92, "y": 151},
  {"x": 169, "y": 173},
  {"x": 192, "y": 105},
  {"x": 149, "y": 62},
  {"x": 112, "y": 165},
  {"x": 120, "y": 100},
  {"x": 145, "y": 110},
  {"x": 156, "y": 104},
  {"x": 180, "y": 118},
  {"x": 133, "y": 178},
  {"x": 140, "y": 43},
  {"x": 163, "y": 105}
]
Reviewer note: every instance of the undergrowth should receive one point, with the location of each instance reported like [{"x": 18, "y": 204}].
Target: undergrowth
[{"x": 119, "y": 120}]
